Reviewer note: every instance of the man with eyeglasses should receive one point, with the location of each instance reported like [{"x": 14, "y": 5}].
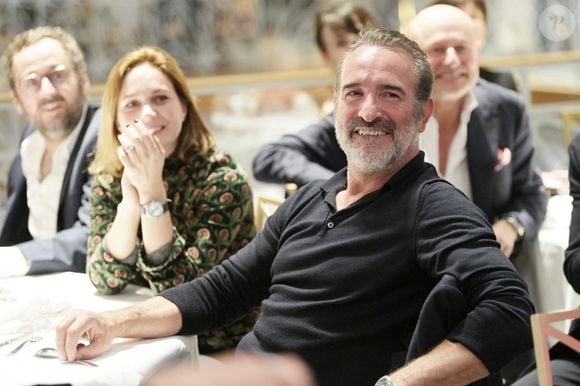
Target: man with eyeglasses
[{"x": 49, "y": 85}]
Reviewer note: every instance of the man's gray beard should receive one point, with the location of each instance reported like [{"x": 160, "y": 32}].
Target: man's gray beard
[
  {"x": 366, "y": 161},
  {"x": 378, "y": 159}
]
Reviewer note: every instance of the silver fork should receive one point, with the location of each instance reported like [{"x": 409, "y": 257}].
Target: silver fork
[
  {"x": 33, "y": 338},
  {"x": 50, "y": 352}
]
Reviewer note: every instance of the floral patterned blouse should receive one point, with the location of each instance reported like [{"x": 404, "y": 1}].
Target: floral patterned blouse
[{"x": 212, "y": 214}]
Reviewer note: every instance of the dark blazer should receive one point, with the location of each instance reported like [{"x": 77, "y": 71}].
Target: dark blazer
[
  {"x": 66, "y": 251},
  {"x": 311, "y": 154},
  {"x": 500, "y": 122},
  {"x": 505, "y": 79}
]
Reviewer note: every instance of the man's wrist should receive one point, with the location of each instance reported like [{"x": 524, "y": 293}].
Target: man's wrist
[{"x": 516, "y": 225}]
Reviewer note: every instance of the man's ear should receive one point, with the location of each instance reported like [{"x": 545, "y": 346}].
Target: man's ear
[
  {"x": 17, "y": 103},
  {"x": 86, "y": 84},
  {"x": 428, "y": 107}
]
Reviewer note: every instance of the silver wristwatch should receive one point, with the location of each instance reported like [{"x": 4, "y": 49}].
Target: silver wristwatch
[
  {"x": 384, "y": 381},
  {"x": 155, "y": 208},
  {"x": 518, "y": 227}
]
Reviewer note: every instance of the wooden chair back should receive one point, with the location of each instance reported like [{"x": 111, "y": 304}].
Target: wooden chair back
[
  {"x": 541, "y": 330},
  {"x": 265, "y": 207}
]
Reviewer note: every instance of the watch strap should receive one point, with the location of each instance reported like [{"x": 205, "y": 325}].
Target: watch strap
[{"x": 516, "y": 225}]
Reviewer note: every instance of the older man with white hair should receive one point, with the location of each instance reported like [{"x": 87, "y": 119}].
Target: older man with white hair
[{"x": 479, "y": 136}]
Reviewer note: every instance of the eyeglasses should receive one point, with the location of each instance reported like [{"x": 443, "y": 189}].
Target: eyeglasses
[{"x": 56, "y": 75}]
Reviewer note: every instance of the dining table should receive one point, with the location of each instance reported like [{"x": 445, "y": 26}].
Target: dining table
[
  {"x": 541, "y": 264},
  {"x": 31, "y": 307}
]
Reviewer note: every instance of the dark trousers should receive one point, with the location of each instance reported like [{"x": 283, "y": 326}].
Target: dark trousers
[{"x": 565, "y": 372}]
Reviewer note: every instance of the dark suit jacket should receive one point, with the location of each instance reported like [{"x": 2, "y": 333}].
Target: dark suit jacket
[
  {"x": 311, "y": 154},
  {"x": 499, "y": 122},
  {"x": 505, "y": 79},
  {"x": 66, "y": 251}
]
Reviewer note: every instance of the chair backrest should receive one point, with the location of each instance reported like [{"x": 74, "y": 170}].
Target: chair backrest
[
  {"x": 570, "y": 120},
  {"x": 265, "y": 207},
  {"x": 541, "y": 330}
]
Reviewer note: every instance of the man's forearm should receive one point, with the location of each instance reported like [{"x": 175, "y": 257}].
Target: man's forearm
[
  {"x": 450, "y": 364},
  {"x": 153, "y": 318}
]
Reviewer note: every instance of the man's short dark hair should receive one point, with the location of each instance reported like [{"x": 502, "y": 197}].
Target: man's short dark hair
[{"x": 386, "y": 38}]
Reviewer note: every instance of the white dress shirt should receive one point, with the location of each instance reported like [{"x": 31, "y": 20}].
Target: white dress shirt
[
  {"x": 457, "y": 170},
  {"x": 43, "y": 196}
]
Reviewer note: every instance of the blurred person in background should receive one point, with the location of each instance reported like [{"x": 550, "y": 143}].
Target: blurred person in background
[
  {"x": 236, "y": 370},
  {"x": 166, "y": 206},
  {"x": 336, "y": 25},
  {"x": 479, "y": 137},
  {"x": 313, "y": 153},
  {"x": 477, "y": 10},
  {"x": 49, "y": 85}
]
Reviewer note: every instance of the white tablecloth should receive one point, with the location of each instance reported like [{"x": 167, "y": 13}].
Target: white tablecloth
[
  {"x": 34, "y": 304},
  {"x": 542, "y": 264}
]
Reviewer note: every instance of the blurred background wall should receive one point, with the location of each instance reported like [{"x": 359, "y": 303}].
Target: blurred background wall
[{"x": 258, "y": 38}]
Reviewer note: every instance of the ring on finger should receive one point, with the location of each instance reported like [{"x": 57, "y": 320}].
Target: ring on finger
[{"x": 131, "y": 148}]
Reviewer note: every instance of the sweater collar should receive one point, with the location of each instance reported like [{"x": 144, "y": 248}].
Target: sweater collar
[{"x": 338, "y": 181}]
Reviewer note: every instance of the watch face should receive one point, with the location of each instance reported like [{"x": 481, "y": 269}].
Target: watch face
[
  {"x": 384, "y": 381},
  {"x": 155, "y": 209}
]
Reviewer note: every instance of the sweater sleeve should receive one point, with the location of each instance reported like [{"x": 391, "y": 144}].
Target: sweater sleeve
[
  {"x": 227, "y": 291},
  {"x": 107, "y": 274},
  {"x": 212, "y": 217},
  {"x": 234, "y": 286},
  {"x": 455, "y": 238},
  {"x": 212, "y": 222}
]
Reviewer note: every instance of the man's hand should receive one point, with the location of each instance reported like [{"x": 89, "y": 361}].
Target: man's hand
[
  {"x": 506, "y": 236},
  {"x": 13, "y": 263},
  {"x": 237, "y": 370},
  {"x": 153, "y": 318},
  {"x": 79, "y": 325}
]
